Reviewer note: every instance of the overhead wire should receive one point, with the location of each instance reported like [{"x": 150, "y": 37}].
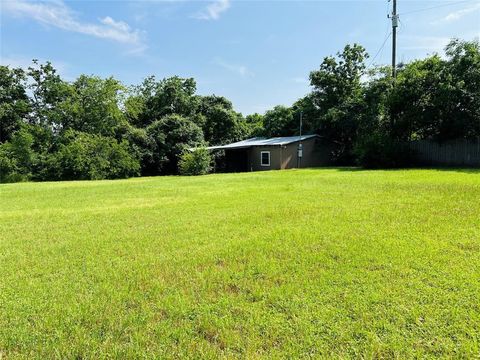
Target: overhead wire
[
  {"x": 412, "y": 12},
  {"x": 388, "y": 33},
  {"x": 436, "y": 7},
  {"x": 380, "y": 49}
]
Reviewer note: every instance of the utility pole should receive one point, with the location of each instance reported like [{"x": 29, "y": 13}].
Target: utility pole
[
  {"x": 394, "y": 39},
  {"x": 301, "y": 119},
  {"x": 394, "y": 53},
  {"x": 300, "y": 146}
]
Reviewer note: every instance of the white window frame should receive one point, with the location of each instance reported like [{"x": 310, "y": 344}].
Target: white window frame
[{"x": 261, "y": 158}]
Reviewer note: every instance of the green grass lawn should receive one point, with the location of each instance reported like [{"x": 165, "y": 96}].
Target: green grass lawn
[{"x": 332, "y": 262}]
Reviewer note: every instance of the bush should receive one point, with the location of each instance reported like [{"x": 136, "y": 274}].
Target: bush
[
  {"x": 168, "y": 138},
  {"x": 8, "y": 168},
  {"x": 17, "y": 157},
  {"x": 380, "y": 151},
  {"x": 94, "y": 157},
  {"x": 196, "y": 162}
]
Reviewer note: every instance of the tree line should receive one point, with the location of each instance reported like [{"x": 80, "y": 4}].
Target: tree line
[{"x": 95, "y": 128}]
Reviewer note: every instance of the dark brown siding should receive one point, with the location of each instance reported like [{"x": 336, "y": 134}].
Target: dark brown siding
[
  {"x": 275, "y": 158},
  {"x": 285, "y": 157},
  {"x": 315, "y": 153}
]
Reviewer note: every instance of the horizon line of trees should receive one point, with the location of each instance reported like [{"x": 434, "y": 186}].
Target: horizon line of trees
[{"x": 95, "y": 128}]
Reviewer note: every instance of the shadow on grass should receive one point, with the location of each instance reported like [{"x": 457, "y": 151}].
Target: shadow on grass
[
  {"x": 456, "y": 169},
  {"x": 437, "y": 168}
]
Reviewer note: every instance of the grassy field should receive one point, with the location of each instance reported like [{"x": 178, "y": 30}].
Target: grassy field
[{"x": 332, "y": 262}]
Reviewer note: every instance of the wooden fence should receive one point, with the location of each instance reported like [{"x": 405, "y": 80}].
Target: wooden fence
[{"x": 452, "y": 153}]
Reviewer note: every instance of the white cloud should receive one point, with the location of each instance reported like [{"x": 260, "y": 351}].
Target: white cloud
[
  {"x": 56, "y": 13},
  {"x": 457, "y": 15},
  {"x": 213, "y": 10},
  {"x": 241, "y": 70}
]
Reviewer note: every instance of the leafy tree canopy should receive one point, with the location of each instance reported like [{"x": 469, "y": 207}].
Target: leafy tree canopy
[{"x": 94, "y": 128}]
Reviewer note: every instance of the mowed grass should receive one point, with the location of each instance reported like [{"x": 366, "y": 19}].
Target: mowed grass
[{"x": 283, "y": 264}]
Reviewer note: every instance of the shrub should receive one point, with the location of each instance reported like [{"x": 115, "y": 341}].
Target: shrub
[
  {"x": 169, "y": 137},
  {"x": 8, "y": 167},
  {"x": 94, "y": 157},
  {"x": 380, "y": 151},
  {"x": 17, "y": 157},
  {"x": 196, "y": 162}
]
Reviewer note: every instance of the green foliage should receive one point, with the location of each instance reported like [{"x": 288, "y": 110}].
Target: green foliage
[
  {"x": 337, "y": 94},
  {"x": 14, "y": 102},
  {"x": 195, "y": 162},
  {"x": 221, "y": 124},
  {"x": 169, "y": 137},
  {"x": 377, "y": 95},
  {"x": 80, "y": 129},
  {"x": 49, "y": 93},
  {"x": 377, "y": 150},
  {"x": 310, "y": 116},
  {"x": 93, "y": 157},
  {"x": 364, "y": 115},
  {"x": 93, "y": 106},
  {"x": 166, "y": 97},
  {"x": 7, "y": 167},
  {"x": 439, "y": 99},
  {"x": 255, "y": 125},
  {"x": 307, "y": 264},
  {"x": 414, "y": 100},
  {"x": 279, "y": 122},
  {"x": 17, "y": 157}
]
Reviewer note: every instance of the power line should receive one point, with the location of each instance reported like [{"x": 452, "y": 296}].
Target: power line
[
  {"x": 435, "y": 7},
  {"x": 380, "y": 49},
  {"x": 388, "y": 33}
]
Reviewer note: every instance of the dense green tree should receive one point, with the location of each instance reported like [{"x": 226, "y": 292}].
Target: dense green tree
[
  {"x": 49, "y": 92},
  {"x": 17, "y": 157},
  {"x": 168, "y": 139},
  {"x": 279, "y": 122},
  {"x": 439, "y": 98},
  {"x": 49, "y": 95},
  {"x": 413, "y": 102},
  {"x": 255, "y": 125},
  {"x": 134, "y": 106},
  {"x": 221, "y": 124},
  {"x": 305, "y": 107},
  {"x": 337, "y": 94},
  {"x": 196, "y": 162},
  {"x": 95, "y": 128},
  {"x": 14, "y": 102},
  {"x": 86, "y": 156},
  {"x": 285, "y": 121},
  {"x": 93, "y": 106},
  {"x": 205, "y": 103},
  {"x": 464, "y": 95},
  {"x": 376, "y": 94},
  {"x": 157, "y": 99}
]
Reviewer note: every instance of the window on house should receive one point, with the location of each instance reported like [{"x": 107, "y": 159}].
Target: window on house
[{"x": 265, "y": 158}]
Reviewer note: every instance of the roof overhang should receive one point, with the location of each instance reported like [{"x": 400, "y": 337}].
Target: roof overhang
[{"x": 278, "y": 141}]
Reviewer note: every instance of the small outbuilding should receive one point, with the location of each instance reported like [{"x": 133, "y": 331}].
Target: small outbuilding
[{"x": 257, "y": 154}]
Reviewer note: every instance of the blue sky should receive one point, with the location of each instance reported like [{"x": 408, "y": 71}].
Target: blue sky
[{"x": 256, "y": 53}]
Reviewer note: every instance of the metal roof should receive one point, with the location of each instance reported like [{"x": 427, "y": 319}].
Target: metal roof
[{"x": 257, "y": 141}]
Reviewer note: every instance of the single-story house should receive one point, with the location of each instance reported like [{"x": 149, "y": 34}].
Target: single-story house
[{"x": 277, "y": 153}]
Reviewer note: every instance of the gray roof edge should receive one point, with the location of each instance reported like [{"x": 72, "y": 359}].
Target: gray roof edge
[
  {"x": 259, "y": 141},
  {"x": 303, "y": 137}
]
